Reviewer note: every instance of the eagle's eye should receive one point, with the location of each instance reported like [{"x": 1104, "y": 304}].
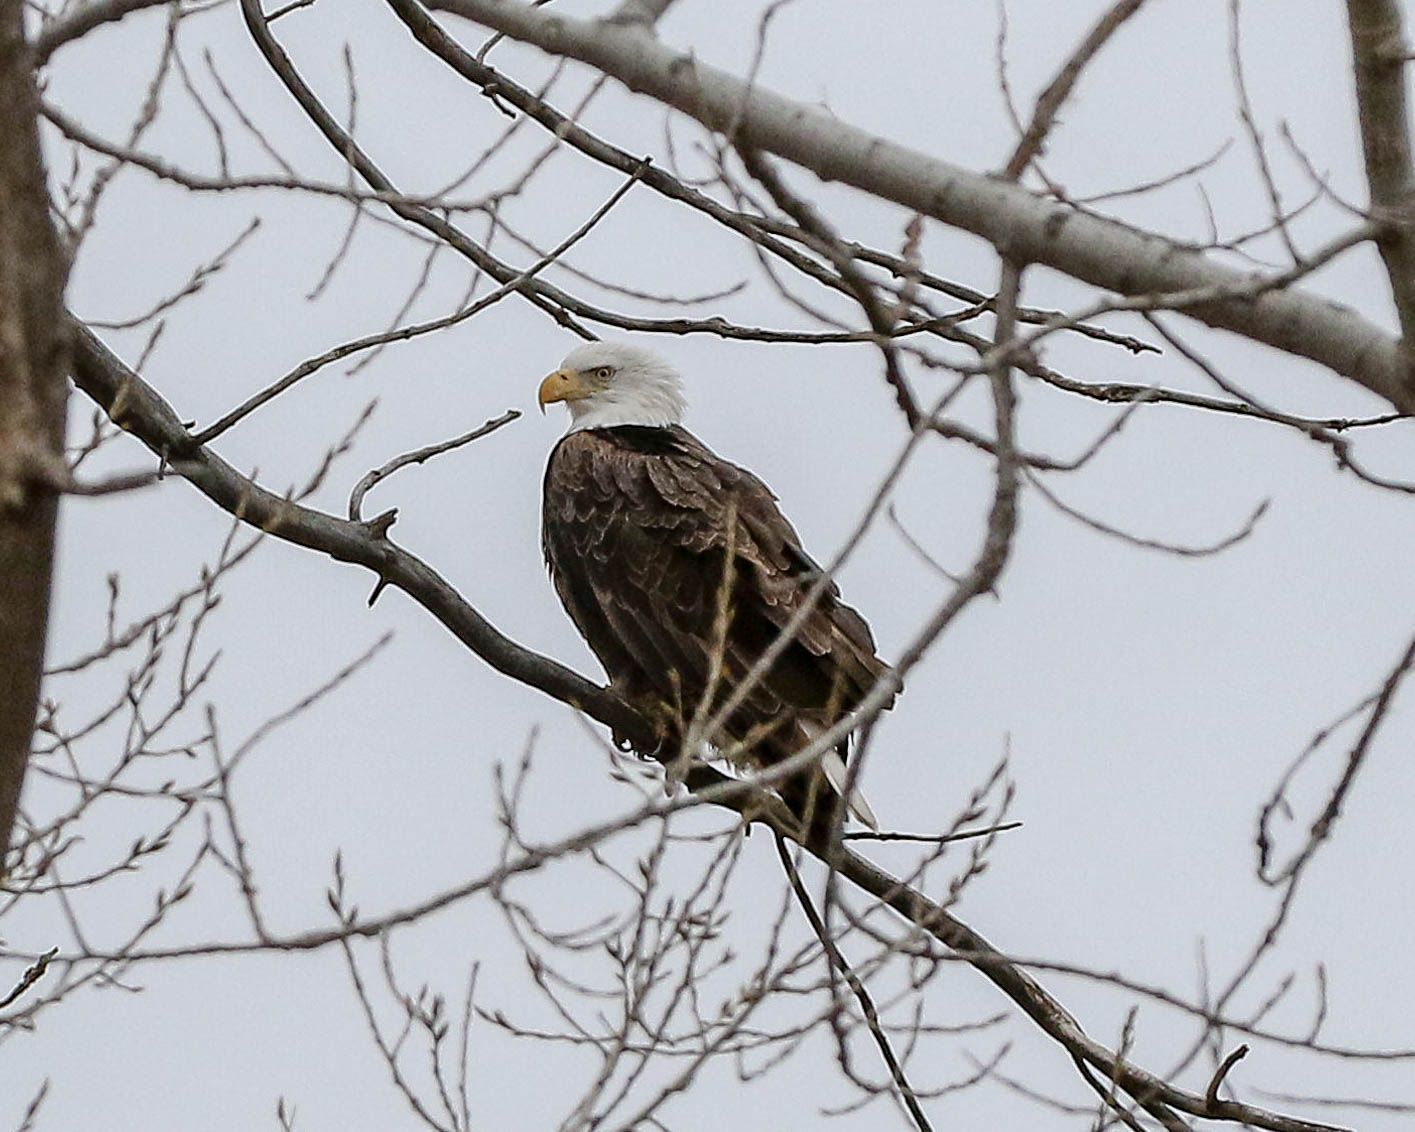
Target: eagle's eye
[{"x": 604, "y": 373}]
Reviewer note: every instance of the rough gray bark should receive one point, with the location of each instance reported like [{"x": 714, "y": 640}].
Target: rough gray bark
[{"x": 33, "y": 386}]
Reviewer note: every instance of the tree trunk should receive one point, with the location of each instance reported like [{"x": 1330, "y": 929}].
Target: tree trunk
[{"x": 33, "y": 388}]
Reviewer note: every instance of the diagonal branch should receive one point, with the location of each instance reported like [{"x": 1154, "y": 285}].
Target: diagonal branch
[
  {"x": 1032, "y": 142},
  {"x": 841, "y": 966},
  {"x": 881, "y": 321},
  {"x": 565, "y": 308},
  {"x": 771, "y": 236},
  {"x": 1021, "y": 225},
  {"x": 137, "y": 407}
]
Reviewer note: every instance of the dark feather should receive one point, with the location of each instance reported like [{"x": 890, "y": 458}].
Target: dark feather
[{"x": 666, "y": 555}]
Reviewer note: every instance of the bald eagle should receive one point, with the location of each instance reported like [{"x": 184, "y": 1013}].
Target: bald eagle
[{"x": 679, "y": 570}]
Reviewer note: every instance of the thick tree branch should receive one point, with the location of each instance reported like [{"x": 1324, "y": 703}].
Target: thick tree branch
[
  {"x": 775, "y": 237},
  {"x": 33, "y": 391},
  {"x": 565, "y": 308},
  {"x": 1380, "y": 54},
  {"x": 1018, "y": 223}
]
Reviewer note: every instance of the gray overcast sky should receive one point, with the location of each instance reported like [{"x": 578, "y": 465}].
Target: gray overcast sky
[{"x": 1149, "y": 703}]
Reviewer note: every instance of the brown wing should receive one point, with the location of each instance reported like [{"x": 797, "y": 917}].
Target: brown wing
[{"x": 641, "y": 525}]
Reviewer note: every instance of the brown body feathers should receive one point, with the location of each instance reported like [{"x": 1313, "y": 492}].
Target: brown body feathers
[{"x": 679, "y": 570}]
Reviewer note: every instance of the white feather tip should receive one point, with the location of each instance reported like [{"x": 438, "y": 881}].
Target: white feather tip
[{"x": 837, "y": 776}]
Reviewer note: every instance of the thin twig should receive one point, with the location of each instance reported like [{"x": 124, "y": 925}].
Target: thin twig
[
  {"x": 420, "y": 456},
  {"x": 1211, "y": 1097},
  {"x": 841, "y": 966}
]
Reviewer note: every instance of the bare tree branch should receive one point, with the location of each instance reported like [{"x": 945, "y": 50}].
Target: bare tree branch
[
  {"x": 633, "y": 981},
  {"x": 836, "y": 958},
  {"x": 81, "y": 20},
  {"x": 1103, "y": 253},
  {"x": 1049, "y": 103},
  {"x": 419, "y": 456},
  {"x": 765, "y": 233},
  {"x": 133, "y": 404}
]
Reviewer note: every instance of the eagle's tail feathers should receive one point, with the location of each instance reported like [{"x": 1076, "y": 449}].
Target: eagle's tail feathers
[{"x": 838, "y": 776}]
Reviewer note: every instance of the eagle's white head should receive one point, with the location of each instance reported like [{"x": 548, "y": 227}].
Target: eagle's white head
[{"x": 605, "y": 384}]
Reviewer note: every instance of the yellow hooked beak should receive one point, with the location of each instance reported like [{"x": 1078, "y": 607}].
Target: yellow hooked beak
[{"x": 562, "y": 385}]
